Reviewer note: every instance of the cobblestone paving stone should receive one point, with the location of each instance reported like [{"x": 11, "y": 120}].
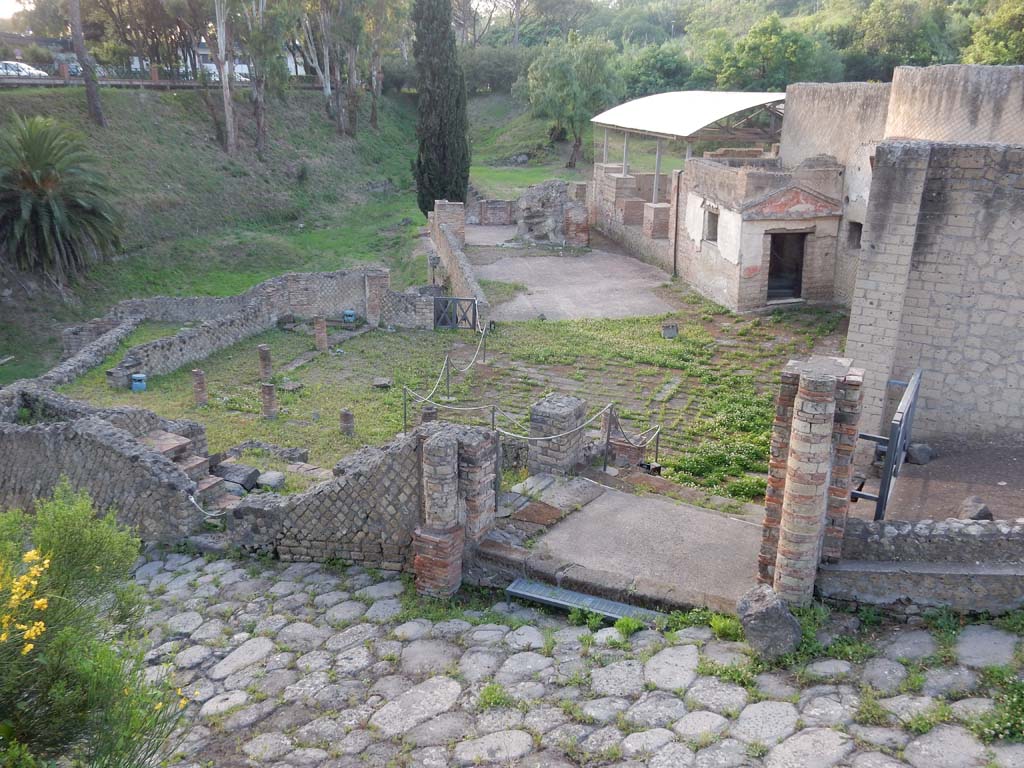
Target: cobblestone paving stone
[{"x": 277, "y": 679}]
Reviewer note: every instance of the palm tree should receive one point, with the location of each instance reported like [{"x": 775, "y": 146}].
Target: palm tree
[{"x": 55, "y": 217}]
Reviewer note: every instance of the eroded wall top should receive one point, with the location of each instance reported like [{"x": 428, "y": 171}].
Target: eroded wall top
[
  {"x": 832, "y": 119},
  {"x": 957, "y": 102}
]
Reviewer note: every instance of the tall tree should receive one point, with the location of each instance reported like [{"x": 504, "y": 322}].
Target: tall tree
[
  {"x": 385, "y": 23},
  {"x": 999, "y": 38},
  {"x": 264, "y": 35},
  {"x": 571, "y": 81},
  {"x": 442, "y": 163},
  {"x": 223, "y": 55},
  {"x": 88, "y": 63}
]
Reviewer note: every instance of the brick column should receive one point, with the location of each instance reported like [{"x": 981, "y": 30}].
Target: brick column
[
  {"x": 266, "y": 367},
  {"x": 377, "y": 284},
  {"x": 320, "y": 333},
  {"x": 556, "y": 414},
  {"x": 849, "y": 404},
  {"x": 453, "y": 215},
  {"x": 808, "y": 476},
  {"x": 438, "y": 541},
  {"x": 478, "y": 466},
  {"x": 199, "y": 387},
  {"x": 268, "y": 400},
  {"x": 779, "y": 453},
  {"x": 428, "y": 414}
]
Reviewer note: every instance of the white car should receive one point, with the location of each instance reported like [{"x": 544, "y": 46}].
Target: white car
[{"x": 19, "y": 69}]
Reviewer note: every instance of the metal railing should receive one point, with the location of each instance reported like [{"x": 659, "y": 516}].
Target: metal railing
[{"x": 895, "y": 445}]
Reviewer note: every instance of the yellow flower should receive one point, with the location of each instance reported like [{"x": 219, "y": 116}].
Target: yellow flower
[
  {"x": 4, "y": 636},
  {"x": 182, "y": 703},
  {"x": 41, "y": 604},
  {"x": 28, "y": 647},
  {"x": 159, "y": 706},
  {"x": 31, "y": 556},
  {"x": 35, "y": 630}
]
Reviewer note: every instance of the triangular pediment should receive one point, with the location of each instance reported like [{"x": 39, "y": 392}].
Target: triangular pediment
[{"x": 792, "y": 202}]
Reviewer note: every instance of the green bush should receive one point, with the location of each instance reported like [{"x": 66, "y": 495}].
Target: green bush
[
  {"x": 65, "y": 688},
  {"x": 492, "y": 69}
]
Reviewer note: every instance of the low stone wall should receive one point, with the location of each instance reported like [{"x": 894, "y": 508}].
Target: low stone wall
[
  {"x": 227, "y": 320},
  {"x": 145, "y": 488},
  {"x": 906, "y": 590},
  {"x": 497, "y": 213},
  {"x": 441, "y": 478},
  {"x": 448, "y": 235},
  {"x": 971, "y": 566},
  {"x": 940, "y": 541}
]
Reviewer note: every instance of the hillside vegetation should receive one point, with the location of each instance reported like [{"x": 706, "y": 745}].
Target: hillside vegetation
[{"x": 200, "y": 222}]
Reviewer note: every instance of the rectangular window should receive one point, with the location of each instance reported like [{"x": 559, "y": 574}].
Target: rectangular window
[
  {"x": 853, "y": 233},
  {"x": 711, "y": 226}
]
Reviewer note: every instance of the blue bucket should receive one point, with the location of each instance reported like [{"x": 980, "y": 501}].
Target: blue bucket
[
  {"x": 349, "y": 315},
  {"x": 138, "y": 382}
]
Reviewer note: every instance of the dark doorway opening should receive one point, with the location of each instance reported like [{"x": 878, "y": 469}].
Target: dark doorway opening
[{"x": 786, "y": 266}]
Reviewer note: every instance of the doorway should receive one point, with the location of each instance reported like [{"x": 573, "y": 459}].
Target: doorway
[{"x": 786, "y": 265}]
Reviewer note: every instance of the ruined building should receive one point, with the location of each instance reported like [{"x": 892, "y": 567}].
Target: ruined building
[{"x": 903, "y": 202}]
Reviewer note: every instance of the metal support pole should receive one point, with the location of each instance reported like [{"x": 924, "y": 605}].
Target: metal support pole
[
  {"x": 625, "y": 154},
  {"x": 493, "y": 418},
  {"x": 604, "y": 158},
  {"x": 485, "y": 347},
  {"x": 608, "y": 436},
  {"x": 657, "y": 171},
  {"x": 405, "y": 410},
  {"x": 657, "y": 446},
  {"x": 447, "y": 379}
]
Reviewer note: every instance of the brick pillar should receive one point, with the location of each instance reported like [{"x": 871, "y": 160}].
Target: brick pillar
[
  {"x": 808, "y": 476},
  {"x": 347, "y": 422},
  {"x": 266, "y": 366},
  {"x": 556, "y": 414},
  {"x": 268, "y": 400},
  {"x": 429, "y": 413},
  {"x": 453, "y": 215},
  {"x": 849, "y": 404},
  {"x": 154, "y": 73},
  {"x": 377, "y": 285},
  {"x": 438, "y": 541},
  {"x": 779, "y": 453},
  {"x": 478, "y": 466},
  {"x": 199, "y": 386},
  {"x": 320, "y": 333}
]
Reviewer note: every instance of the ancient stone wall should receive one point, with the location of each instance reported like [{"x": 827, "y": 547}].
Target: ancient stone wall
[
  {"x": 228, "y": 320},
  {"x": 448, "y": 236},
  {"x": 559, "y": 417},
  {"x": 549, "y": 212},
  {"x": 957, "y": 102},
  {"x": 938, "y": 541},
  {"x": 146, "y": 490},
  {"x": 497, "y": 213},
  {"x": 941, "y": 288},
  {"x": 412, "y": 505}
]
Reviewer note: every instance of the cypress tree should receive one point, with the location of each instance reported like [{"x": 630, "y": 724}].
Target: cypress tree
[{"x": 442, "y": 163}]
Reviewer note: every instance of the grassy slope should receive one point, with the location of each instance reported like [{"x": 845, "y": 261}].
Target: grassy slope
[
  {"x": 199, "y": 222},
  {"x": 500, "y": 129}
]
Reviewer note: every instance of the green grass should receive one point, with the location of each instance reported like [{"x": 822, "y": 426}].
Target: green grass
[
  {"x": 498, "y": 291},
  {"x": 200, "y": 223},
  {"x": 508, "y": 183}
]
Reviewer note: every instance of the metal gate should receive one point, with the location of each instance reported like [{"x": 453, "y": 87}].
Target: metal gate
[
  {"x": 894, "y": 446},
  {"x": 451, "y": 312}
]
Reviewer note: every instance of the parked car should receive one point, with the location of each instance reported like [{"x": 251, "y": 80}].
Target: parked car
[{"x": 19, "y": 69}]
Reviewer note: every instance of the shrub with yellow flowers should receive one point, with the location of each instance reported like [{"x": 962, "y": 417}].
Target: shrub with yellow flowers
[{"x": 72, "y": 680}]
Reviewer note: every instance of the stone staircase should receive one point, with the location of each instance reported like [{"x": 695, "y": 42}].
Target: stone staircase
[{"x": 210, "y": 491}]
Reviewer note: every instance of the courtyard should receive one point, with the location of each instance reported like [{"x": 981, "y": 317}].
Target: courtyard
[{"x": 710, "y": 388}]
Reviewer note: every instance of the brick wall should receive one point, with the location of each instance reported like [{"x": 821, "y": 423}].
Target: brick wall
[
  {"x": 226, "y": 321},
  {"x": 448, "y": 236}
]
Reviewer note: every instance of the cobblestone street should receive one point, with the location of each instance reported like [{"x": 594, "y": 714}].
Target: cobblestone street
[{"x": 299, "y": 665}]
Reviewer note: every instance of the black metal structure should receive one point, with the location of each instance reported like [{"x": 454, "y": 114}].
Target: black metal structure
[
  {"x": 894, "y": 446},
  {"x": 452, "y": 312}
]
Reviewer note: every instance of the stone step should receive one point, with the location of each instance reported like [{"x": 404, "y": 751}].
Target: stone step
[
  {"x": 170, "y": 445},
  {"x": 209, "y": 488},
  {"x": 196, "y": 467}
]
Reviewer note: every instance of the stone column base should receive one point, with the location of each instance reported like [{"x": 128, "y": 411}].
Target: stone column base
[{"x": 437, "y": 560}]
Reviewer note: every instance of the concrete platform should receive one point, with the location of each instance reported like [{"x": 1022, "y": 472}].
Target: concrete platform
[
  {"x": 652, "y": 547},
  {"x": 934, "y": 491}
]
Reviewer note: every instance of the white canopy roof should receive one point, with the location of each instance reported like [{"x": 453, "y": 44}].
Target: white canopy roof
[{"x": 681, "y": 114}]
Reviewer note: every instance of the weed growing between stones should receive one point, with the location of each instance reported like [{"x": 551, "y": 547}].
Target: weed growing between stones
[
  {"x": 869, "y": 711},
  {"x": 628, "y": 626},
  {"x": 494, "y": 696}
]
